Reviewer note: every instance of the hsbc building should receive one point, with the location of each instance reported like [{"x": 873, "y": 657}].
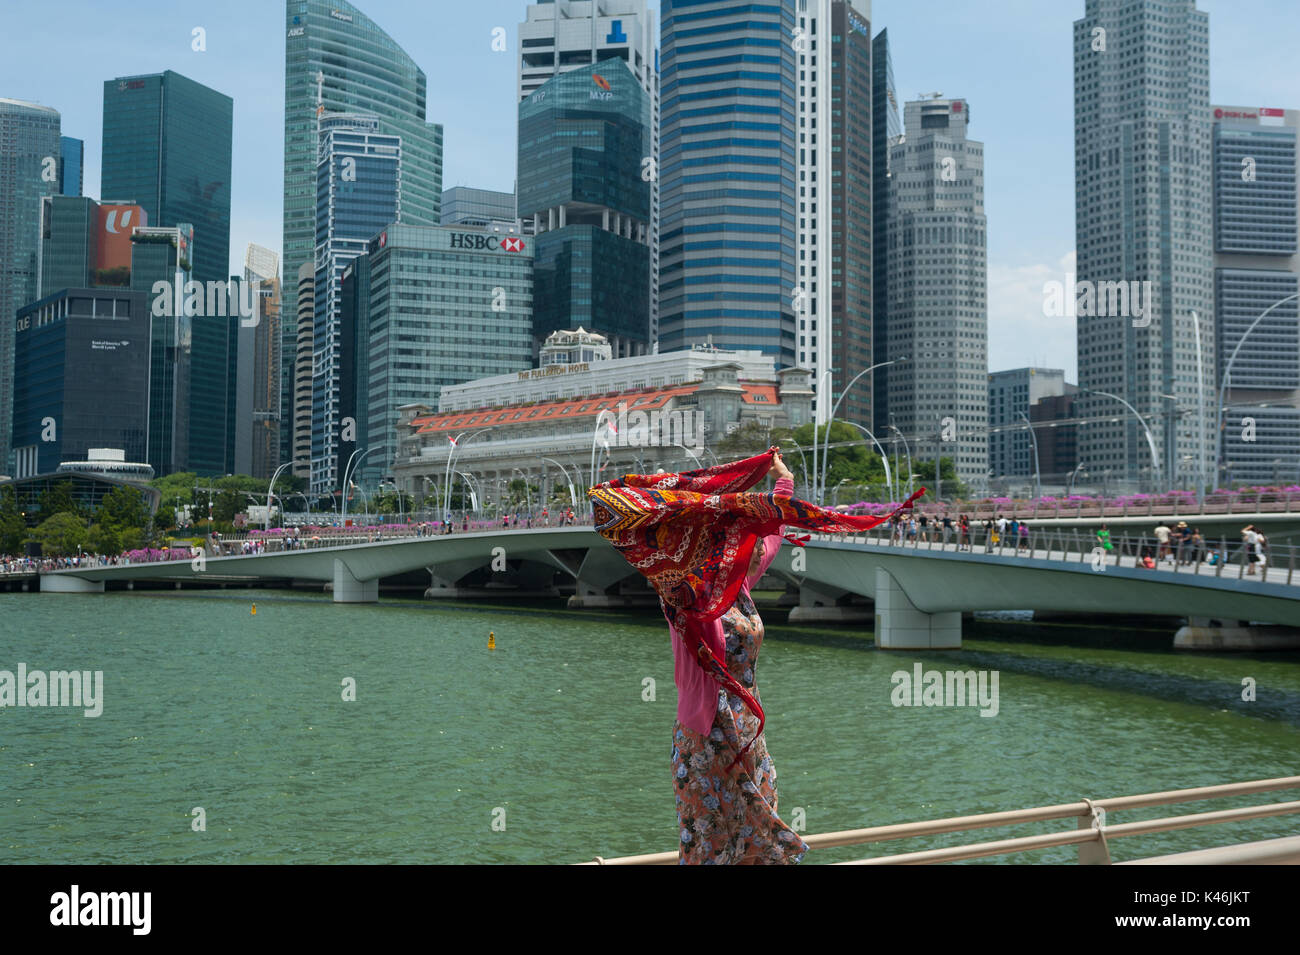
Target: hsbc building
[{"x": 445, "y": 305}]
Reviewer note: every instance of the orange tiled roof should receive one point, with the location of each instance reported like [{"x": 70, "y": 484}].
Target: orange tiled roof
[{"x": 647, "y": 399}]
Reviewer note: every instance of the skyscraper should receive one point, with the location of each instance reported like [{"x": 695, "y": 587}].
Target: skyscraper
[
  {"x": 445, "y": 305},
  {"x": 886, "y": 127},
  {"x": 938, "y": 295},
  {"x": 582, "y": 138},
  {"x": 337, "y": 59},
  {"x": 561, "y": 35},
  {"x": 1142, "y": 221},
  {"x": 72, "y": 159},
  {"x": 833, "y": 303},
  {"x": 258, "y": 415},
  {"x": 301, "y": 371},
  {"x": 30, "y": 169},
  {"x": 464, "y": 205},
  {"x": 728, "y": 216},
  {"x": 161, "y": 264},
  {"x": 359, "y": 189},
  {"x": 167, "y": 147},
  {"x": 1257, "y": 268}
]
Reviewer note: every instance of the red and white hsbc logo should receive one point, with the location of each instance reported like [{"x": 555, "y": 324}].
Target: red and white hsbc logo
[{"x": 465, "y": 240}]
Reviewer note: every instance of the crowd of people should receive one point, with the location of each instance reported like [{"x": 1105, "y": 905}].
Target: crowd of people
[
  {"x": 1182, "y": 545},
  {"x": 944, "y": 529}
]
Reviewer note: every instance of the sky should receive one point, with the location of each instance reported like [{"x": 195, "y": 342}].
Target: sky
[{"x": 1010, "y": 60}]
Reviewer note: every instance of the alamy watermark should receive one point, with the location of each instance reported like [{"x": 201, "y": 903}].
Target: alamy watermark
[
  {"x": 80, "y": 688},
  {"x": 652, "y": 429},
  {"x": 213, "y": 300},
  {"x": 946, "y": 688},
  {"x": 1086, "y": 299}
]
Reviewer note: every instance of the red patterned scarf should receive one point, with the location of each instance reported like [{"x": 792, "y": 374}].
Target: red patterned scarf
[{"x": 692, "y": 535}]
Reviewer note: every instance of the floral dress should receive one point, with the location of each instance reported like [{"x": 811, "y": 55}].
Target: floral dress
[{"x": 729, "y": 818}]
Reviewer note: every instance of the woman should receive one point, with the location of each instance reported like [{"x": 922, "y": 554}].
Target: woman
[
  {"x": 730, "y": 823},
  {"x": 703, "y": 542}
]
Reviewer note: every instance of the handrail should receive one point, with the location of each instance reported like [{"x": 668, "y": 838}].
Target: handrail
[{"x": 1089, "y": 812}]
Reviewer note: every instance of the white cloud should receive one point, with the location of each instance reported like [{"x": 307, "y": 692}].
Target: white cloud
[{"x": 1020, "y": 334}]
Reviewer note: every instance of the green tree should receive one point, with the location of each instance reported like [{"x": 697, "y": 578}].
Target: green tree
[
  {"x": 746, "y": 441},
  {"x": 13, "y": 527},
  {"x": 63, "y": 534},
  {"x": 104, "y": 539},
  {"x": 952, "y": 488},
  {"x": 124, "y": 507},
  {"x": 226, "y": 505},
  {"x": 58, "y": 499}
]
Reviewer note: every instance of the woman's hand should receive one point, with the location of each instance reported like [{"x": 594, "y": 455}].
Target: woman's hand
[{"x": 778, "y": 465}]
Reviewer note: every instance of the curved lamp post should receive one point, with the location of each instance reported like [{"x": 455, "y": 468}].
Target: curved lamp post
[
  {"x": 1151, "y": 442},
  {"x": 831, "y": 420},
  {"x": 456, "y": 445},
  {"x": 1227, "y": 373},
  {"x": 268, "y": 493},
  {"x": 884, "y": 458},
  {"x": 908, "y": 451},
  {"x": 595, "y": 436},
  {"x": 347, "y": 473},
  {"x": 1038, "y": 484},
  {"x": 573, "y": 494}
]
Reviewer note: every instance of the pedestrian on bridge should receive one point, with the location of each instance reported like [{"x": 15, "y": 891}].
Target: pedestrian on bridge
[
  {"x": 1103, "y": 539},
  {"x": 703, "y": 542}
]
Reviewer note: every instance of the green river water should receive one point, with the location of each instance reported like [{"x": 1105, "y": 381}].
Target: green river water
[{"x": 544, "y": 750}]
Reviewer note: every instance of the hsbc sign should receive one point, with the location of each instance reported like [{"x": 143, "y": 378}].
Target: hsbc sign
[{"x": 472, "y": 241}]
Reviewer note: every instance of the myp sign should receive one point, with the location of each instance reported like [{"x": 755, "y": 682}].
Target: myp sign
[{"x": 616, "y": 34}]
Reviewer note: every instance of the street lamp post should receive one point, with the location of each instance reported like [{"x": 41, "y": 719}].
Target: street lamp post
[
  {"x": 1038, "y": 483},
  {"x": 573, "y": 494},
  {"x": 831, "y": 420},
  {"x": 884, "y": 458},
  {"x": 456, "y": 445},
  {"x": 1227, "y": 373},
  {"x": 1151, "y": 442},
  {"x": 347, "y": 472},
  {"x": 908, "y": 451},
  {"x": 268, "y": 494},
  {"x": 802, "y": 460}
]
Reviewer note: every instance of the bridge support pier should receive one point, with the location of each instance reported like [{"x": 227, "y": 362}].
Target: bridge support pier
[
  {"x": 58, "y": 584},
  {"x": 820, "y": 606},
  {"x": 1204, "y": 633},
  {"x": 901, "y": 626},
  {"x": 587, "y": 597},
  {"x": 349, "y": 590}
]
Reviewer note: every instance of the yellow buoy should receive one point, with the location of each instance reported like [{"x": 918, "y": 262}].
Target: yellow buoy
[
  {"x": 254, "y": 610},
  {"x": 492, "y": 640}
]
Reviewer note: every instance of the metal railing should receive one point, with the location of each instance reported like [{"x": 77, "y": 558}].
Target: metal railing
[
  {"x": 1091, "y": 833},
  {"x": 1206, "y": 558},
  {"x": 1237, "y": 502},
  {"x": 231, "y": 545}
]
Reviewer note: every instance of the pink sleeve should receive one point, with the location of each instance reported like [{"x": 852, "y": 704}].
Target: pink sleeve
[{"x": 772, "y": 543}]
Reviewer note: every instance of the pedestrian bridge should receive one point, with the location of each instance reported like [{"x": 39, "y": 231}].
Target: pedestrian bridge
[{"x": 919, "y": 589}]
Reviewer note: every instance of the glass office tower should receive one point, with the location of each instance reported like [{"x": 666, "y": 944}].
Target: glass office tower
[
  {"x": 727, "y": 160},
  {"x": 72, "y": 159},
  {"x": 161, "y": 254},
  {"x": 359, "y": 191},
  {"x": 1256, "y": 268},
  {"x": 339, "y": 59},
  {"x": 83, "y": 361},
  {"x": 582, "y": 138},
  {"x": 167, "y": 146},
  {"x": 30, "y": 137}
]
